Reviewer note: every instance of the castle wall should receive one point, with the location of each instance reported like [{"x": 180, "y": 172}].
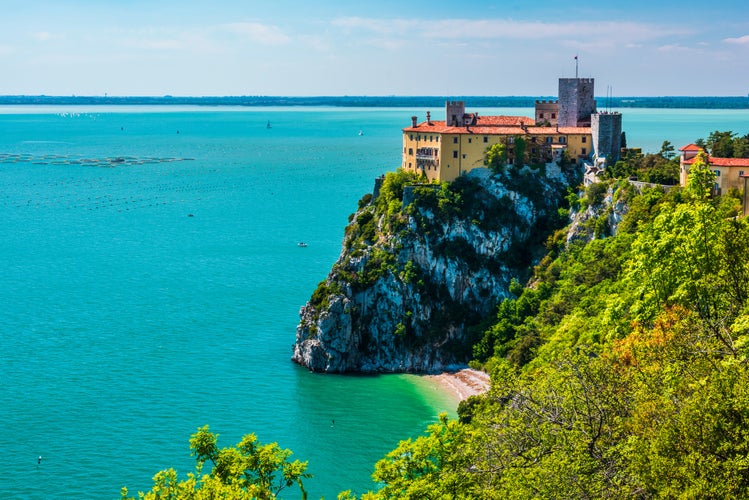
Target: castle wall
[
  {"x": 576, "y": 101},
  {"x": 547, "y": 112},
  {"x": 454, "y": 111},
  {"x": 606, "y": 129}
]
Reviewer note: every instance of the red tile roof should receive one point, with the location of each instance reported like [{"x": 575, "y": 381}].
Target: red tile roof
[
  {"x": 723, "y": 162},
  {"x": 691, "y": 147},
  {"x": 503, "y": 125}
]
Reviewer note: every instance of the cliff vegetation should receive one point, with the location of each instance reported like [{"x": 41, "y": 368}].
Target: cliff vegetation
[{"x": 423, "y": 265}]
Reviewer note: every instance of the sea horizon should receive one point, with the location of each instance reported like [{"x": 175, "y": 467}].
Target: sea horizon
[{"x": 377, "y": 101}]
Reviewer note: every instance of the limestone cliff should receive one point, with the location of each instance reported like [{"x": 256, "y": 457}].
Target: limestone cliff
[{"x": 415, "y": 278}]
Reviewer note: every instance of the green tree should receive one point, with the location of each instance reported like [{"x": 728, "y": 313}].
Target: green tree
[
  {"x": 701, "y": 178},
  {"x": 720, "y": 144},
  {"x": 436, "y": 466},
  {"x": 667, "y": 150},
  {"x": 249, "y": 470},
  {"x": 741, "y": 147},
  {"x": 520, "y": 147},
  {"x": 391, "y": 192},
  {"x": 496, "y": 158}
]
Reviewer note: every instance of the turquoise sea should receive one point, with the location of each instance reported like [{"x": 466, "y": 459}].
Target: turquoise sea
[{"x": 151, "y": 282}]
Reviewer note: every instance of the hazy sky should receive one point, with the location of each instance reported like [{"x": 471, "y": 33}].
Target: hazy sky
[{"x": 375, "y": 47}]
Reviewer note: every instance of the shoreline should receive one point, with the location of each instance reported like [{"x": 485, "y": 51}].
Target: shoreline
[{"x": 461, "y": 384}]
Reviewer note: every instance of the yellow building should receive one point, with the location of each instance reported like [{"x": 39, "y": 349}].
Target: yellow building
[
  {"x": 729, "y": 172},
  {"x": 444, "y": 150}
]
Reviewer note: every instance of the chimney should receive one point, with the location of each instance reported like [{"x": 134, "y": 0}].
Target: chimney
[
  {"x": 429, "y": 118},
  {"x": 413, "y": 121}
]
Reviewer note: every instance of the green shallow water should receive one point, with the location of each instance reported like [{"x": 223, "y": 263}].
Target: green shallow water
[{"x": 143, "y": 298}]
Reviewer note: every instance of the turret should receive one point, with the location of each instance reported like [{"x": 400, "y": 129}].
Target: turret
[
  {"x": 454, "y": 112},
  {"x": 576, "y": 102}
]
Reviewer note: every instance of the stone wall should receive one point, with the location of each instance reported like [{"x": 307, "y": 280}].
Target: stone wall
[
  {"x": 547, "y": 111},
  {"x": 606, "y": 129},
  {"x": 576, "y": 101},
  {"x": 456, "y": 110}
]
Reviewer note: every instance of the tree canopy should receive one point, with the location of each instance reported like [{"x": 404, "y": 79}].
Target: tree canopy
[{"x": 248, "y": 470}]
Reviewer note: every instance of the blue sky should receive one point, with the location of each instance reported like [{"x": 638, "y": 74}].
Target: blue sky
[{"x": 379, "y": 47}]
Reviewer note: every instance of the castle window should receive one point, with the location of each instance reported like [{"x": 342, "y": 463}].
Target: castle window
[
  {"x": 741, "y": 172},
  {"x": 410, "y": 151},
  {"x": 585, "y": 139},
  {"x": 583, "y": 151},
  {"x": 512, "y": 140},
  {"x": 549, "y": 140},
  {"x": 469, "y": 140},
  {"x": 455, "y": 140},
  {"x": 455, "y": 154},
  {"x": 486, "y": 139},
  {"x": 717, "y": 173},
  {"x": 553, "y": 115},
  {"x": 540, "y": 115},
  {"x": 437, "y": 139},
  {"x": 464, "y": 157},
  {"x": 562, "y": 140}
]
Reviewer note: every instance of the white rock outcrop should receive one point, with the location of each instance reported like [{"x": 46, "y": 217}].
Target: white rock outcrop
[{"x": 446, "y": 272}]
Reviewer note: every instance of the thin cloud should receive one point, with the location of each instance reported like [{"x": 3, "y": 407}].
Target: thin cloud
[
  {"x": 673, "y": 47},
  {"x": 168, "y": 40},
  {"x": 264, "y": 34},
  {"x": 157, "y": 44},
  {"x": 42, "y": 36},
  {"x": 742, "y": 40},
  {"x": 498, "y": 29}
]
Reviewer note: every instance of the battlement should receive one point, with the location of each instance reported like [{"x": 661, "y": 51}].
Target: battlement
[
  {"x": 580, "y": 80},
  {"x": 547, "y": 111},
  {"x": 455, "y": 113}
]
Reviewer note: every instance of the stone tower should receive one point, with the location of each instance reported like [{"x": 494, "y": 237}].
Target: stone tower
[
  {"x": 606, "y": 129},
  {"x": 547, "y": 111},
  {"x": 576, "y": 102},
  {"x": 454, "y": 113}
]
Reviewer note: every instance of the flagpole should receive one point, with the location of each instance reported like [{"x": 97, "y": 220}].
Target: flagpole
[{"x": 575, "y": 67}]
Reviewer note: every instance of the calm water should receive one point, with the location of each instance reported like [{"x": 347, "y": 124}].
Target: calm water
[{"x": 141, "y": 301}]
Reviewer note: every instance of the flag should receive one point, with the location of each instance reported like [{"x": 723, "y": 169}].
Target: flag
[{"x": 575, "y": 58}]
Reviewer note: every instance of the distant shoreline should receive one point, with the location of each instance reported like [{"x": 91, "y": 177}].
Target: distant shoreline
[{"x": 664, "y": 102}]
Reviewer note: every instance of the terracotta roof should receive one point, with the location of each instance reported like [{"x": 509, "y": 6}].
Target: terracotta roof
[
  {"x": 723, "y": 162},
  {"x": 691, "y": 147},
  {"x": 503, "y": 125}
]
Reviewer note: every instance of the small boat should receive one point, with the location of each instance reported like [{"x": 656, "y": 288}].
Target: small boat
[
  {"x": 301, "y": 244},
  {"x": 361, "y": 133},
  {"x": 268, "y": 124}
]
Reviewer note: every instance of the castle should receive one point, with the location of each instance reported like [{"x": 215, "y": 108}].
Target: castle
[{"x": 445, "y": 149}]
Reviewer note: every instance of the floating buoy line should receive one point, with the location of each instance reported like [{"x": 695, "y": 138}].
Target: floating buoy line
[{"x": 106, "y": 162}]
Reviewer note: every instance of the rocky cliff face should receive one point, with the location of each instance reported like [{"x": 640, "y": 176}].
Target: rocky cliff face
[{"x": 415, "y": 279}]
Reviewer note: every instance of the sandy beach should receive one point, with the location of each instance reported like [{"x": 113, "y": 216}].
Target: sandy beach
[{"x": 463, "y": 384}]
